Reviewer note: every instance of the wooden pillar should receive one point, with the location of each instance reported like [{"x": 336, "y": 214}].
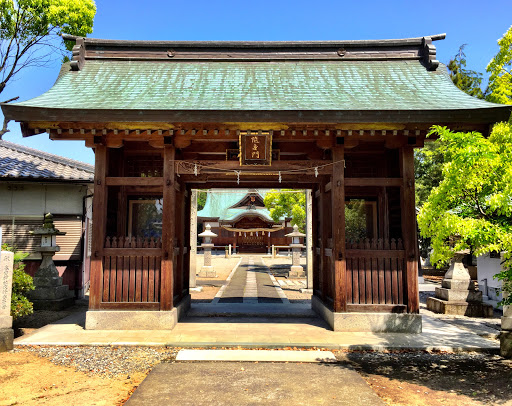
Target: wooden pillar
[
  {"x": 383, "y": 214},
  {"x": 193, "y": 238},
  {"x": 338, "y": 228},
  {"x": 99, "y": 225},
  {"x": 409, "y": 236},
  {"x": 180, "y": 237},
  {"x": 324, "y": 234},
  {"x": 309, "y": 239},
  {"x": 168, "y": 229}
]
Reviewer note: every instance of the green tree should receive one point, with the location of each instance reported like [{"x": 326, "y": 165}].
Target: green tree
[
  {"x": 288, "y": 203},
  {"x": 472, "y": 206},
  {"x": 29, "y": 31},
  {"x": 500, "y": 69},
  {"x": 21, "y": 284},
  {"x": 469, "y": 81},
  {"x": 201, "y": 199}
]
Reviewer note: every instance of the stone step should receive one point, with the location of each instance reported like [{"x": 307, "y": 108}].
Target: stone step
[
  {"x": 270, "y": 310},
  {"x": 255, "y": 356}
]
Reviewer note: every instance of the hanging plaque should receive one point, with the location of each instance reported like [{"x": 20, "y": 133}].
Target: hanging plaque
[{"x": 255, "y": 148}]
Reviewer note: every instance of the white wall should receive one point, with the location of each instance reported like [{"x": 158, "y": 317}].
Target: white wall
[
  {"x": 31, "y": 199},
  {"x": 487, "y": 267}
]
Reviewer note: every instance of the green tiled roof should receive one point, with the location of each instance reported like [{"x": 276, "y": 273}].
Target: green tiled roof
[
  {"x": 218, "y": 205},
  {"x": 270, "y": 86}
]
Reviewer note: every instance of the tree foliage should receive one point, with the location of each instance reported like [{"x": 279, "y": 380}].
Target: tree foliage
[
  {"x": 469, "y": 81},
  {"x": 472, "y": 206},
  {"x": 500, "y": 69},
  {"x": 21, "y": 284},
  {"x": 288, "y": 203},
  {"x": 28, "y": 26},
  {"x": 29, "y": 31}
]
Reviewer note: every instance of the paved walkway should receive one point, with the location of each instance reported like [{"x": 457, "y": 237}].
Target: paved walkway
[
  {"x": 235, "y": 383},
  {"x": 261, "y": 333},
  {"x": 251, "y": 283}
]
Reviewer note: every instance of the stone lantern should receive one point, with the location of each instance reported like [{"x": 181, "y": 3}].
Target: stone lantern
[
  {"x": 296, "y": 271},
  {"x": 207, "y": 271},
  {"x": 49, "y": 292}
]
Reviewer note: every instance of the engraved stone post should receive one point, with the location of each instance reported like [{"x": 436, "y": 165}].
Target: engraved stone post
[
  {"x": 207, "y": 271},
  {"x": 193, "y": 238},
  {"x": 6, "y": 331},
  {"x": 296, "y": 270}
]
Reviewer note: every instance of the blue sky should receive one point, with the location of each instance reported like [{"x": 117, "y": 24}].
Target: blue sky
[{"x": 479, "y": 24}]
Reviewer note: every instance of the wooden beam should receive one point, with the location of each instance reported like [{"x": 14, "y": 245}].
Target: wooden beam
[
  {"x": 168, "y": 229},
  {"x": 409, "y": 236},
  {"x": 373, "y": 182},
  {"x": 134, "y": 181},
  {"x": 338, "y": 229},
  {"x": 99, "y": 224}
]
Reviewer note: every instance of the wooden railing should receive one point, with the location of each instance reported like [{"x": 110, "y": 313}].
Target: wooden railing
[
  {"x": 376, "y": 275},
  {"x": 131, "y": 273}
]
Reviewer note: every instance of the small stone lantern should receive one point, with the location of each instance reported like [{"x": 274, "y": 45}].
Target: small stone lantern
[
  {"x": 207, "y": 271},
  {"x": 296, "y": 271},
  {"x": 49, "y": 292}
]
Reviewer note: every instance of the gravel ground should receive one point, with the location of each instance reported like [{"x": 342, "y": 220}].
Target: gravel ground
[
  {"x": 105, "y": 361},
  {"x": 425, "y": 378}
]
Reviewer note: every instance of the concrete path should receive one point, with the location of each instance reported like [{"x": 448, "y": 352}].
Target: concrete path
[
  {"x": 261, "y": 333},
  {"x": 256, "y": 356},
  {"x": 228, "y": 383}
]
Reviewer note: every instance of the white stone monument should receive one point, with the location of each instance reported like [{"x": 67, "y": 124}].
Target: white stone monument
[
  {"x": 207, "y": 271},
  {"x": 506, "y": 330},
  {"x": 6, "y": 331}
]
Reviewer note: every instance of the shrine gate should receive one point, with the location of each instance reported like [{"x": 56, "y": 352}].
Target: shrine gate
[{"x": 341, "y": 118}]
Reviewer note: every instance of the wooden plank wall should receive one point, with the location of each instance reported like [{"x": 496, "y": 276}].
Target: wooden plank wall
[{"x": 376, "y": 272}]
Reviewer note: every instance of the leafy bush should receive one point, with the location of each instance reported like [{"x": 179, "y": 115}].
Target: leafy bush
[{"x": 21, "y": 284}]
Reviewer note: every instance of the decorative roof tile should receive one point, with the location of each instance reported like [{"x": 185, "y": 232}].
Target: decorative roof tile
[{"x": 17, "y": 161}]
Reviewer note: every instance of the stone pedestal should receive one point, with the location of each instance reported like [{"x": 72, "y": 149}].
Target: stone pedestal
[
  {"x": 458, "y": 295},
  {"x": 6, "y": 331},
  {"x": 296, "y": 270},
  {"x": 506, "y": 331},
  {"x": 49, "y": 292},
  {"x": 207, "y": 270}
]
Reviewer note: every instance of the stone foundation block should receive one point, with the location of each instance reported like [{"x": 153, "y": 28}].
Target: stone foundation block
[
  {"x": 207, "y": 272},
  {"x": 296, "y": 272},
  {"x": 50, "y": 293},
  {"x": 42, "y": 281},
  {"x": 136, "y": 319},
  {"x": 458, "y": 284},
  {"x": 506, "y": 344},
  {"x": 5, "y": 322},
  {"x": 469, "y": 309},
  {"x": 6, "y": 339},
  {"x": 452, "y": 295},
  {"x": 506, "y": 323},
  {"x": 54, "y": 305},
  {"x": 368, "y": 322}
]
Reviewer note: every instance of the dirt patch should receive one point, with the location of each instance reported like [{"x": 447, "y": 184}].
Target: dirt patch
[
  {"x": 27, "y": 379},
  {"x": 437, "y": 379}
]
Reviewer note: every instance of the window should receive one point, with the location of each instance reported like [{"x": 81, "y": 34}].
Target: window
[
  {"x": 145, "y": 218},
  {"x": 360, "y": 219}
]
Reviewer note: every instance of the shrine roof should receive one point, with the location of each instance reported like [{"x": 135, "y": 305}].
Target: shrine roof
[
  {"x": 351, "y": 81},
  {"x": 218, "y": 206},
  {"x": 22, "y": 163}
]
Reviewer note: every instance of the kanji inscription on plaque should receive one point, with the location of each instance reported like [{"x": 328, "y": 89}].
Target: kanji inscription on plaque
[{"x": 255, "y": 148}]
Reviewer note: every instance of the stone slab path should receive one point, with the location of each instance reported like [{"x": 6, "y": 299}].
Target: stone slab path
[
  {"x": 236, "y": 383},
  {"x": 256, "y": 356},
  {"x": 250, "y": 284}
]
